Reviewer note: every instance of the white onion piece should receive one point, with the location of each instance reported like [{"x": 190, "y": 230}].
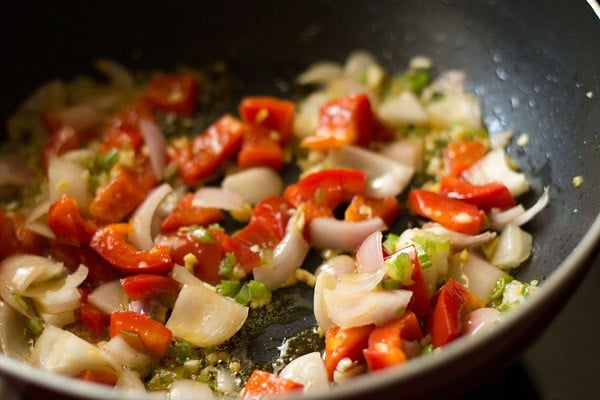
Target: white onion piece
[
  {"x": 79, "y": 156},
  {"x": 131, "y": 386},
  {"x": 459, "y": 108},
  {"x": 184, "y": 276},
  {"x": 187, "y": 389},
  {"x": 500, "y": 219},
  {"x": 115, "y": 72},
  {"x": 324, "y": 281},
  {"x": 385, "y": 177},
  {"x": 340, "y": 264},
  {"x": 41, "y": 229},
  {"x": 345, "y": 86},
  {"x": 451, "y": 81},
  {"x": 533, "y": 210},
  {"x": 205, "y": 318},
  {"x": 321, "y": 72},
  {"x": 80, "y": 117},
  {"x": 22, "y": 270},
  {"x": 62, "y": 352},
  {"x": 14, "y": 171},
  {"x": 214, "y": 197},
  {"x": 309, "y": 370},
  {"x": 66, "y": 177},
  {"x": 359, "y": 282},
  {"x": 226, "y": 382},
  {"x": 481, "y": 320},
  {"x": 12, "y": 340},
  {"x": 460, "y": 240},
  {"x": 404, "y": 108},
  {"x": 38, "y": 211},
  {"x": 124, "y": 354},
  {"x": 326, "y": 233},
  {"x": 514, "y": 246},
  {"x": 141, "y": 221},
  {"x": 408, "y": 151},
  {"x": 494, "y": 168},
  {"x": 288, "y": 255},
  {"x": 501, "y": 139},
  {"x": 362, "y": 67},
  {"x": 157, "y": 145},
  {"x": 59, "y": 319},
  {"x": 477, "y": 274},
  {"x": 254, "y": 184},
  {"x": 22, "y": 305},
  {"x": 306, "y": 120},
  {"x": 59, "y": 296},
  {"x": 347, "y": 369},
  {"x": 109, "y": 297},
  {"x": 369, "y": 256}
]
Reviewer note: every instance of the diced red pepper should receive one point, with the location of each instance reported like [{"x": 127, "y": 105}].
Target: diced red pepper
[
  {"x": 385, "y": 342},
  {"x": 451, "y": 303},
  {"x": 186, "y": 213},
  {"x": 99, "y": 270},
  {"x": 246, "y": 258},
  {"x": 141, "y": 332},
  {"x": 265, "y": 384},
  {"x": 15, "y": 237},
  {"x": 460, "y": 155},
  {"x": 94, "y": 320},
  {"x": 174, "y": 93},
  {"x": 118, "y": 198},
  {"x": 98, "y": 376},
  {"x": 486, "y": 197},
  {"x": 260, "y": 149},
  {"x": 67, "y": 223},
  {"x": 345, "y": 343},
  {"x": 62, "y": 140},
  {"x": 201, "y": 158},
  {"x": 258, "y": 234},
  {"x": 454, "y": 214},
  {"x": 362, "y": 208},
  {"x": 347, "y": 120},
  {"x": 122, "y": 137},
  {"x": 111, "y": 243},
  {"x": 149, "y": 286},
  {"x": 271, "y": 113},
  {"x": 131, "y": 115}
]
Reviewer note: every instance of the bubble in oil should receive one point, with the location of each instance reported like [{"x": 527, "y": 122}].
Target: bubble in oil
[{"x": 502, "y": 73}]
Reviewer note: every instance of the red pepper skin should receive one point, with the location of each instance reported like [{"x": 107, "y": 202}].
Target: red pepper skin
[
  {"x": 347, "y": 120},
  {"x": 246, "y": 258},
  {"x": 385, "y": 342},
  {"x": 99, "y": 270},
  {"x": 453, "y": 214},
  {"x": 265, "y": 384},
  {"x": 111, "y": 243},
  {"x": 452, "y": 302},
  {"x": 92, "y": 318},
  {"x": 341, "y": 343},
  {"x": 118, "y": 198},
  {"x": 201, "y": 158},
  {"x": 460, "y": 155},
  {"x": 268, "y": 223},
  {"x": 67, "y": 223},
  {"x": 15, "y": 237},
  {"x": 486, "y": 197},
  {"x": 186, "y": 214},
  {"x": 260, "y": 149},
  {"x": 271, "y": 113},
  {"x": 122, "y": 137},
  {"x": 149, "y": 286},
  {"x": 362, "y": 208},
  {"x": 150, "y": 336},
  {"x": 173, "y": 93}
]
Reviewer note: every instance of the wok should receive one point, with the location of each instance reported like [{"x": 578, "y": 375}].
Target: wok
[{"x": 534, "y": 64}]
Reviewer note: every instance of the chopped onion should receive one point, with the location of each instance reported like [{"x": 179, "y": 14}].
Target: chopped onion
[
  {"x": 124, "y": 354},
  {"x": 347, "y": 369},
  {"x": 325, "y": 232},
  {"x": 345, "y": 86},
  {"x": 481, "y": 320},
  {"x": 306, "y": 120},
  {"x": 116, "y": 73},
  {"x": 141, "y": 221},
  {"x": 59, "y": 296},
  {"x": 226, "y": 382},
  {"x": 369, "y": 256},
  {"x": 404, "y": 108},
  {"x": 494, "y": 168},
  {"x": 254, "y": 184},
  {"x": 184, "y": 276},
  {"x": 518, "y": 215},
  {"x": 455, "y": 108},
  {"x": 62, "y": 352},
  {"x": 130, "y": 385},
  {"x": 288, "y": 255},
  {"x": 187, "y": 389},
  {"x": 477, "y": 274},
  {"x": 80, "y": 117},
  {"x": 14, "y": 171},
  {"x": 359, "y": 282},
  {"x": 66, "y": 177},
  {"x": 109, "y": 297},
  {"x": 18, "y": 303},
  {"x": 451, "y": 81},
  {"x": 341, "y": 264},
  {"x": 321, "y": 72},
  {"x": 22, "y": 270},
  {"x": 309, "y": 370},
  {"x": 362, "y": 66},
  {"x": 214, "y": 197},
  {"x": 59, "y": 319},
  {"x": 324, "y": 281},
  {"x": 533, "y": 210},
  {"x": 501, "y": 139},
  {"x": 157, "y": 145},
  {"x": 408, "y": 151},
  {"x": 385, "y": 177},
  {"x": 514, "y": 246},
  {"x": 460, "y": 240},
  {"x": 204, "y": 318},
  {"x": 499, "y": 219},
  {"x": 12, "y": 340}
]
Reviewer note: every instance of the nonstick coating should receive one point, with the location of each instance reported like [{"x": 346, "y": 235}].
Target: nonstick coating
[{"x": 534, "y": 64}]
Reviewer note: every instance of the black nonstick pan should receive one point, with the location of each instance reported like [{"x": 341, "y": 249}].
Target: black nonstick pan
[{"x": 534, "y": 64}]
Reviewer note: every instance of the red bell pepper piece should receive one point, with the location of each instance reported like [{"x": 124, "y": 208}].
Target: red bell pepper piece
[
  {"x": 451, "y": 303},
  {"x": 62, "y": 140},
  {"x": 265, "y": 384},
  {"x": 67, "y": 223},
  {"x": 454, "y": 214},
  {"x": 385, "y": 342},
  {"x": 260, "y": 149},
  {"x": 245, "y": 257},
  {"x": 92, "y": 318},
  {"x": 99, "y": 270},
  {"x": 486, "y": 197},
  {"x": 122, "y": 137},
  {"x": 118, "y": 198},
  {"x": 347, "y": 120},
  {"x": 15, "y": 237},
  {"x": 460, "y": 155},
  {"x": 201, "y": 158},
  {"x": 174, "y": 93},
  {"x": 111, "y": 243},
  {"x": 141, "y": 332},
  {"x": 149, "y": 286},
  {"x": 362, "y": 208},
  {"x": 345, "y": 343},
  {"x": 186, "y": 213},
  {"x": 271, "y": 113}
]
